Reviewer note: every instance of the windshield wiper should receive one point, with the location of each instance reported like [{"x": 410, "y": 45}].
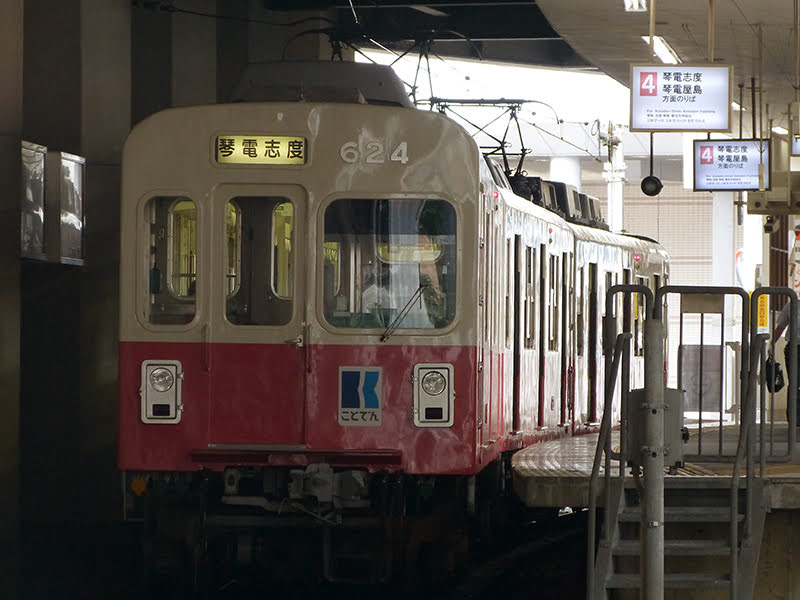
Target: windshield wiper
[{"x": 402, "y": 314}]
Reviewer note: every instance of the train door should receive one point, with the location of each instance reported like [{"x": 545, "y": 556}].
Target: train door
[
  {"x": 566, "y": 304},
  {"x": 592, "y": 342},
  {"x": 516, "y": 332},
  {"x": 255, "y": 337},
  {"x": 489, "y": 314},
  {"x": 543, "y": 329}
]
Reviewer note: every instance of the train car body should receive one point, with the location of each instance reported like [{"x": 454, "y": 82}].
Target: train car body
[{"x": 332, "y": 310}]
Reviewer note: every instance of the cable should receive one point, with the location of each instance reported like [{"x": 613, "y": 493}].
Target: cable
[
  {"x": 353, "y": 8},
  {"x": 170, "y": 8}
]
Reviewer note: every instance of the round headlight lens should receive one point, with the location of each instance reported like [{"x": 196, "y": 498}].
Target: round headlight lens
[
  {"x": 434, "y": 383},
  {"x": 161, "y": 379}
]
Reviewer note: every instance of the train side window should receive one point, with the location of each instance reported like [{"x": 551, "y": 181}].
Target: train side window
[
  {"x": 552, "y": 298},
  {"x": 510, "y": 268},
  {"x": 172, "y": 245},
  {"x": 638, "y": 319},
  {"x": 581, "y": 311},
  {"x": 259, "y": 260},
  {"x": 530, "y": 296}
]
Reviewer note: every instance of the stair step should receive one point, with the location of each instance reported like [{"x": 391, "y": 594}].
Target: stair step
[
  {"x": 685, "y": 514},
  {"x": 671, "y": 581},
  {"x": 700, "y": 482},
  {"x": 678, "y": 547}
]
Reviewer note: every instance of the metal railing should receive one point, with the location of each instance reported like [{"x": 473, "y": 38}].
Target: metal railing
[{"x": 751, "y": 387}]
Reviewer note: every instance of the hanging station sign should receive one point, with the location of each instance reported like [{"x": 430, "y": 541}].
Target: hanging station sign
[
  {"x": 731, "y": 165},
  {"x": 681, "y": 97}
]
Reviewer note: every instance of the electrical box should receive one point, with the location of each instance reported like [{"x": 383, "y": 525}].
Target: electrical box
[
  {"x": 674, "y": 439},
  {"x": 65, "y": 174},
  {"x": 784, "y": 197},
  {"x": 32, "y": 208}
]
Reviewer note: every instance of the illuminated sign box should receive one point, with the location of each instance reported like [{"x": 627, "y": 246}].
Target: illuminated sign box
[
  {"x": 260, "y": 150},
  {"x": 796, "y": 145},
  {"x": 730, "y": 165},
  {"x": 681, "y": 97}
]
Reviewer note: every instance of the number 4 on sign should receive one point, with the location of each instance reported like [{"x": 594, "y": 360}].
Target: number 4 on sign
[{"x": 648, "y": 84}]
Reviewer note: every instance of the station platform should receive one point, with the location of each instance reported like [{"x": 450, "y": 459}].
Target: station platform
[{"x": 557, "y": 473}]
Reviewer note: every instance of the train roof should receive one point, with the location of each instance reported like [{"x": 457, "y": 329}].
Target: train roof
[{"x": 320, "y": 81}]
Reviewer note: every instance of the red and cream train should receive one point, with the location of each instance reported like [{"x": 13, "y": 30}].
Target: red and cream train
[{"x": 335, "y": 312}]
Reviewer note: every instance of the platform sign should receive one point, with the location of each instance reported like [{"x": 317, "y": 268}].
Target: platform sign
[
  {"x": 681, "y": 97},
  {"x": 796, "y": 144},
  {"x": 730, "y": 165}
]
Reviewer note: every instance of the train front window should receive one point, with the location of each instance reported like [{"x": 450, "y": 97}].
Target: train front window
[
  {"x": 384, "y": 256},
  {"x": 259, "y": 260},
  {"x": 172, "y": 247}
]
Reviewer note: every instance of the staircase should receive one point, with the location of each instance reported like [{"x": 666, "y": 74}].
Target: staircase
[{"x": 697, "y": 539}]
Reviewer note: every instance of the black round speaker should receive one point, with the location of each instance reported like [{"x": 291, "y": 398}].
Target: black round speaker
[{"x": 651, "y": 185}]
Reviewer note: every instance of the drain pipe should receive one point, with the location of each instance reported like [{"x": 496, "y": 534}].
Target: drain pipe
[{"x": 652, "y": 532}]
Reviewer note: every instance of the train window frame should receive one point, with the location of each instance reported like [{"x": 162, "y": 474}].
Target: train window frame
[
  {"x": 354, "y": 266},
  {"x": 178, "y": 311}
]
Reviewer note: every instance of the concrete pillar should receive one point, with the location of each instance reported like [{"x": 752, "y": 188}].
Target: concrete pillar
[
  {"x": 106, "y": 108},
  {"x": 11, "y": 52},
  {"x": 566, "y": 169},
  {"x": 77, "y": 99},
  {"x": 723, "y": 239}
]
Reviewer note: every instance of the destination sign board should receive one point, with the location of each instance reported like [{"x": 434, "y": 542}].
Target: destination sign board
[
  {"x": 681, "y": 97},
  {"x": 730, "y": 165},
  {"x": 260, "y": 150}
]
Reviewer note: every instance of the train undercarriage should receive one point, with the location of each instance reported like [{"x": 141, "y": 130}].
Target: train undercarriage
[{"x": 337, "y": 525}]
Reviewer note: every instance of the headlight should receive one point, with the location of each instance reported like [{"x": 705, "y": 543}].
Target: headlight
[
  {"x": 433, "y": 383},
  {"x": 161, "y": 379}
]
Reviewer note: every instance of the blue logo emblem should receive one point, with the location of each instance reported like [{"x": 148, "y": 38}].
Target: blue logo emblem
[{"x": 359, "y": 396}]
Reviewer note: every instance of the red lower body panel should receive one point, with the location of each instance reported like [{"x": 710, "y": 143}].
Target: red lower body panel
[{"x": 282, "y": 405}]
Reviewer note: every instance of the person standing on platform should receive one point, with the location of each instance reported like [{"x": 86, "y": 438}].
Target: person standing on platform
[{"x": 781, "y": 325}]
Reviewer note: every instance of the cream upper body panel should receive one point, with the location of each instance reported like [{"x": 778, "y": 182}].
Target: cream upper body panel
[{"x": 352, "y": 151}]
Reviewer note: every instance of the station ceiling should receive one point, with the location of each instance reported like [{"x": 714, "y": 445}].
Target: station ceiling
[{"x": 756, "y": 36}]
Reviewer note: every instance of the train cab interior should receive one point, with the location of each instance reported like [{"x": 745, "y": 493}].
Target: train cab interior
[{"x": 389, "y": 261}]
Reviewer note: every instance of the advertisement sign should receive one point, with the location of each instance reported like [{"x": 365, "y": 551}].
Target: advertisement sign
[
  {"x": 681, "y": 97},
  {"x": 730, "y": 165}
]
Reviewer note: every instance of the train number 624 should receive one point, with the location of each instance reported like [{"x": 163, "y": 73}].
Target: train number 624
[{"x": 374, "y": 153}]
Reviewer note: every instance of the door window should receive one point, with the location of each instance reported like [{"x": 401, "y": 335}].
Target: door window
[{"x": 259, "y": 261}]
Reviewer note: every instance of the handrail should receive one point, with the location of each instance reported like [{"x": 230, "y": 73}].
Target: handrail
[
  {"x": 744, "y": 449},
  {"x": 604, "y": 438}
]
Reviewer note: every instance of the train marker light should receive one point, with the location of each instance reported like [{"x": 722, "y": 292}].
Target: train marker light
[
  {"x": 161, "y": 379},
  {"x": 161, "y": 391},
  {"x": 434, "y": 383},
  {"x": 433, "y": 395}
]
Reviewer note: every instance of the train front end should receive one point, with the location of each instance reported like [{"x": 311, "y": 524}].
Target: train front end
[{"x": 298, "y": 324}]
